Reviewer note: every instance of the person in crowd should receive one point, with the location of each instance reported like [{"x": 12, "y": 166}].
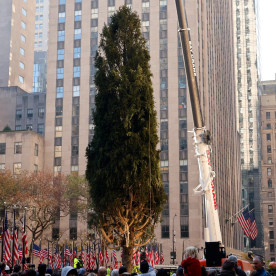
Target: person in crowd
[
  {"x": 144, "y": 268},
  {"x": 2, "y": 269},
  {"x": 31, "y": 272},
  {"x": 42, "y": 269},
  {"x": 191, "y": 263},
  {"x": 81, "y": 271},
  {"x": 213, "y": 272},
  {"x": 108, "y": 271},
  {"x": 49, "y": 272},
  {"x": 122, "y": 270},
  {"x": 161, "y": 272},
  {"x": 143, "y": 257},
  {"x": 102, "y": 271},
  {"x": 179, "y": 271},
  {"x": 203, "y": 271},
  {"x": 258, "y": 264},
  {"x": 16, "y": 268},
  {"x": 239, "y": 271},
  {"x": 115, "y": 272},
  {"x": 69, "y": 271},
  {"x": 228, "y": 269}
]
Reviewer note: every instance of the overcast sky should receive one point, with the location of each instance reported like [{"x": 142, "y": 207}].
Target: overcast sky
[{"x": 267, "y": 38}]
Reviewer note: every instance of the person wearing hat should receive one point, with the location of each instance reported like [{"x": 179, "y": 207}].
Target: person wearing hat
[
  {"x": 69, "y": 271},
  {"x": 239, "y": 271},
  {"x": 82, "y": 271}
]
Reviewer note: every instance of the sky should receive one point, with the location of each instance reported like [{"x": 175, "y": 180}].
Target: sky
[{"x": 266, "y": 25}]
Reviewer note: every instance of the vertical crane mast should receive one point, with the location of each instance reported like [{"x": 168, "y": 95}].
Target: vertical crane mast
[{"x": 201, "y": 136}]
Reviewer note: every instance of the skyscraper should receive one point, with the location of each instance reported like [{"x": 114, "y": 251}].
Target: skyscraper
[
  {"x": 247, "y": 106},
  {"x": 17, "y": 42},
  {"x": 268, "y": 191},
  {"x": 74, "y": 34}
]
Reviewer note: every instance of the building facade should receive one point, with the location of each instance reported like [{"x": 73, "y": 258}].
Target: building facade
[
  {"x": 247, "y": 106},
  {"x": 268, "y": 145},
  {"x": 41, "y": 45},
  {"x": 17, "y": 43},
  {"x": 74, "y": 34},
  {"x": 21, "y": 110},
  {"x": 21, "y": 151}
]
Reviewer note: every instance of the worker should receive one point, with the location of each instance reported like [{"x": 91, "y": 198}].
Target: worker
[
  {"x": 108, "y": 271},
  {"x": 76, "y": 263}
]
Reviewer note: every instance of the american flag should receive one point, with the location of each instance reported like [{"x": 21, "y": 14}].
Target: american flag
[
  {"x": 147, "y": 253},
  {"x": 114, "y": 258},
  {"x": 156, "y": 260},
  {"x": 7, "y": 248},
  {"x": 138, "y": 257},
  {"x": 82, "y": 255},
  {"x": 253, "y": 229},
  {"x": 152, "y": 257},
  {"x": 92, "y": 260},
  {"x": 24, "y": 239},
  {"x": 58, "y": 259},
  {"x": 101, "y": 259},
  {"x": 106, "y": 256},
  {"x": 36, "y": 250},
  {"x": 245, "y": 222},
  {"x": 15, "y": 244},
  {"x": 67, "y": 251},
  {"x": 162, "y": 258},
  {"x": 88, "y": 258},
  {"x": 43, "y": 255},
  {"x": 134, "y": 257}
]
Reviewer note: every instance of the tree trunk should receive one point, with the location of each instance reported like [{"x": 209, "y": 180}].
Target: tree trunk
[{"x": 127, "y": 258}]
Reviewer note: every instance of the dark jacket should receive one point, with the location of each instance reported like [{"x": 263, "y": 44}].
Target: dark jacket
[
  {"x": 262, "y": 272},
  {"x": 191, "y": 267},
  {"x": 227, "y": 273},
  {"x": 240, "y": 272}
]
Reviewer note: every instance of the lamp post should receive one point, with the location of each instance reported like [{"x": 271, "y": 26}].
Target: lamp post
[{"x": 174, "y": 254}]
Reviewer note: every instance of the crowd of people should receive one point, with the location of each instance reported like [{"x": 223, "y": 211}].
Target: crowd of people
[{"x": 190, "y": 266}]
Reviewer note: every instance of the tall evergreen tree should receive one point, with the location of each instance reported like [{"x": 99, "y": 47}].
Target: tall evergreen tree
[{"x": 122, "y": 159}]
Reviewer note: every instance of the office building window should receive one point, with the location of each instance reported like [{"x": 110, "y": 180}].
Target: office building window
[
  {"x": 59, "y": 92},
  {"x": 23, "y": 38},
  {"x": 270, "y": 222},
  {"x": 18, "y": 147},
  {"x": 29, "y": 113},
  {"x": 23, "y": 25},
  {"x": 78, "y": 15},
  {"x": 60, "y": 73},
  {"x": 35, "y": 168},
  {"x": 18, "y": 127},
  {"x": 18, "y": 115},
  {"x": 41, "y": 112},
  {"x": 17, "y": 168},
  {"x": 21, "y": 65},
  {"x": 272, "y": 248},
  {"x": 22, "y": 52},
  {"x": 40, "y": 129},
  {"x": 2, "y": 148},
  {"x": 77, "y": 52},
  {"x": 61, "y": 35},
  {"x": 77, "y": 34},
  {"x": 269, "y": 171},
  {"x": 165, "y": 231},
  {"x": 61, "y": 17},
  {"x": 76, "y": 91},
  {"x": 269, "y": 183},
  {"x": 60, "y": 54},
  {"x": 267, "y": 115},
  {"x": 268, "y": 137},
  {"x": 268, "y": 149},
  {"x": 268, "y": 126},
  {"x": 270, "y": 209},
  {"x": 76, "y": 71},
  {"x": 36, "y": 150},
  {"x": 271, "y": 234},
  {"x": 21, "y": 79},
  {"x": 24, "y": 12},
  {"x": 2, "y": 167}
]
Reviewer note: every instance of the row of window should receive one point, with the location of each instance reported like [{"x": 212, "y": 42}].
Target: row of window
[
  {"x": 268, "y": 115},
  {"x": 17, "y": 148},
  {"x": 30, "y": 112},
  {"x": 17, "y": 167}
]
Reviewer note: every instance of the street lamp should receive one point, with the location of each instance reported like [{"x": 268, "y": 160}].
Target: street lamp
[{"x": 173, "y": 255}]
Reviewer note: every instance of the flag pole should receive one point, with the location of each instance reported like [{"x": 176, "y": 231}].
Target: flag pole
[
  {"x": 23, "y": 241},
  {"x": 13, "y": 234},
  {"x": 48, "y": 248},
  {"x": 2, "y": 245},
  {"x": 237, "y": 212}
]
